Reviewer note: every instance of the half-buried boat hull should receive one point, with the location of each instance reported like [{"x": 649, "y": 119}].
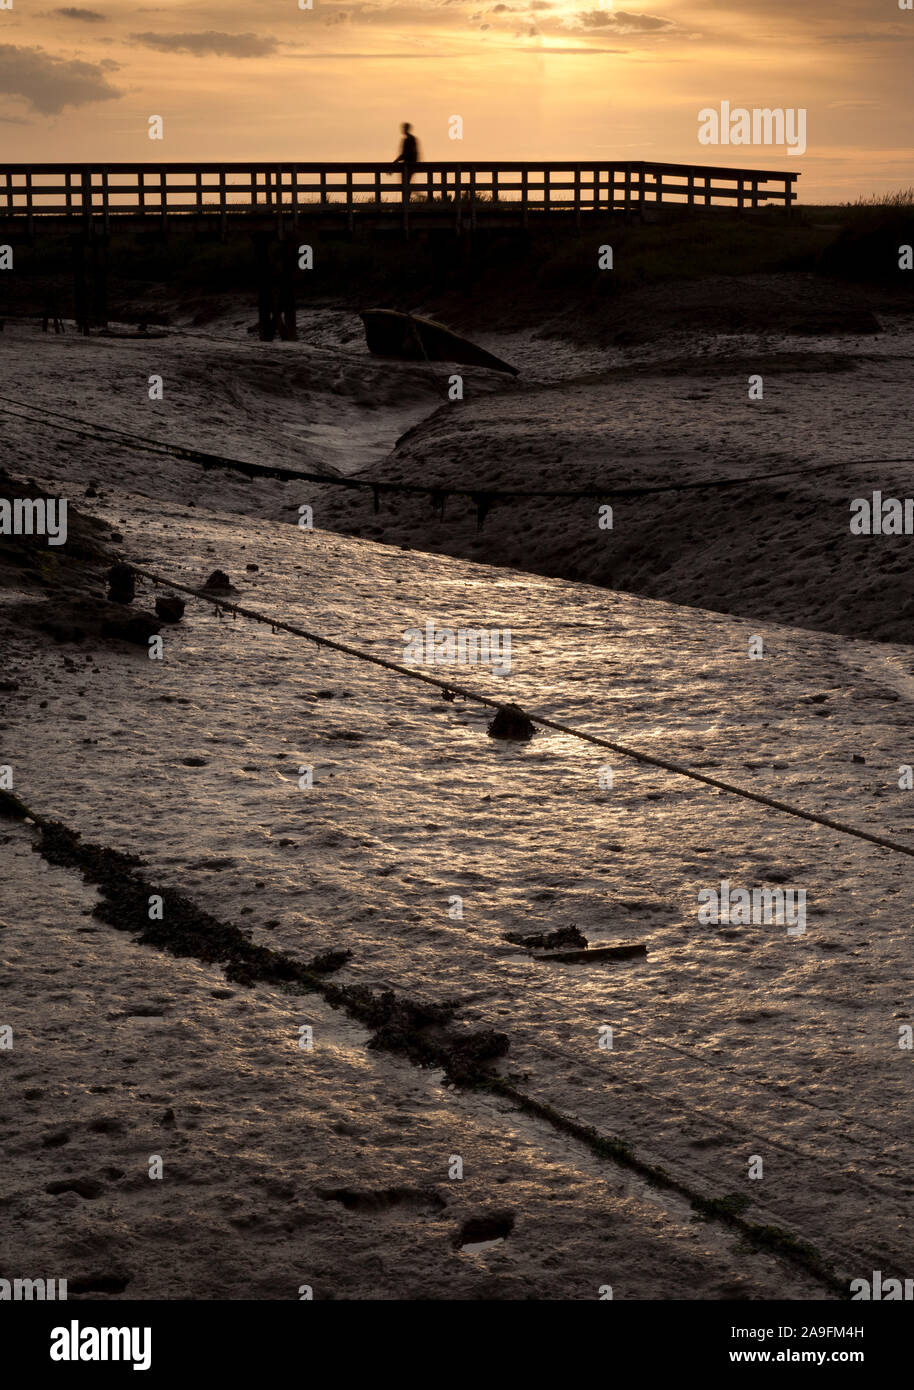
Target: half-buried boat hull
[{"x": 390, "y": 333}]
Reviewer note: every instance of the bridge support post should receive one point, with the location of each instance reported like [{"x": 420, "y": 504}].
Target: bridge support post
[
  {"x": 466, "y": 244},
  {"x": 288, "y": 329},
  {"x": 266, "y": 322},
  {"x": 80, "y": 292},
  {"x": 276, "y": 300},
  {"x": 89, "y": 258},
  {"x": 99, "y": 301}
]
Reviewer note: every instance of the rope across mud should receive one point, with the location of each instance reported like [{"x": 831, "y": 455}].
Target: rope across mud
[
  {"x": 449, "y": 690},
  {"x": 481, "y": 496}
]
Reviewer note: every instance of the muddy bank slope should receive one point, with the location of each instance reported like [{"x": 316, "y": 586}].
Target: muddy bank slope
[{"x": 775, "y": 545}]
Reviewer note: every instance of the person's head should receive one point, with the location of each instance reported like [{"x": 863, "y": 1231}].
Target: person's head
[{"x": 406, "y": 127}]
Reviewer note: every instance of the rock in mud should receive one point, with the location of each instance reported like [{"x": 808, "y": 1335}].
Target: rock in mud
[
  {"x": 82, "y": 619},
  {"x": 137, "y": 629},
  {"x": 511, "y": 722},
  {"x": 219, "y": 582},
  {"x": 170, "y": 609}
]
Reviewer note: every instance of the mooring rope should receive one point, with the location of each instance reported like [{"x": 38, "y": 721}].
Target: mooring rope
[
  {"x": 479, "y": 493},
  {"x": 449, "y": 689},
  {"x": 697, "y": 1058}
]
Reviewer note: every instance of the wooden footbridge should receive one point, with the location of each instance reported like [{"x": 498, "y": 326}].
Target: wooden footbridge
[
  {"x": 276, "y": 203},
  {"x": 503, "y": 193}
]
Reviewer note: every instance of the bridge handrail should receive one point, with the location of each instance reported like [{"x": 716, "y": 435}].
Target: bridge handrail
[
  {"x": 501, "y": 187},
  {"x": 78, "y": 167}
]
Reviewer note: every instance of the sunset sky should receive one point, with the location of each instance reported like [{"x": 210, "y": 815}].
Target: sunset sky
[{"x": 542, "y": 79}]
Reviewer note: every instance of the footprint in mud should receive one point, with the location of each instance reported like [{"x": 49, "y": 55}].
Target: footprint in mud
[
  {"x": 55, "y": 1139},
  {"x": 482, "y": 1233},
  {"x": 98, "y": 1283},
  {"x": 394, "y": 1201},
  {"x": 107, "y": 1124},
  {"x": 90, "y": 1188}
]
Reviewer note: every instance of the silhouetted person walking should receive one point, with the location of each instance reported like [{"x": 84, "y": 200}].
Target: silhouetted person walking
[{"x": 408, "y": 157}]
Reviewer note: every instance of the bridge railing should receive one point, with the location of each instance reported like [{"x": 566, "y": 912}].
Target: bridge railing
[{"x": 513, "y": 188}]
